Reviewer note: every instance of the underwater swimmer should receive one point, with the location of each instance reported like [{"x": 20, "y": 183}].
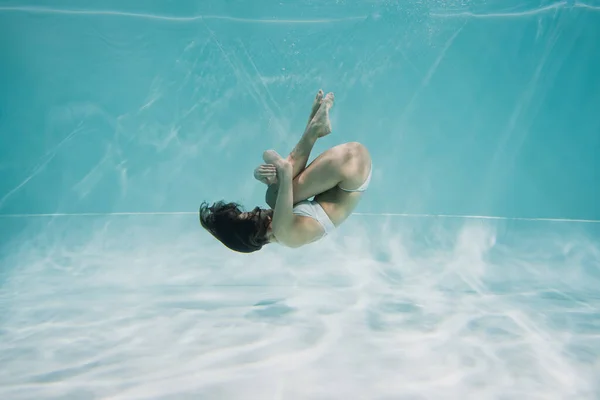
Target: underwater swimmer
[{"x": 336, "y": 179}]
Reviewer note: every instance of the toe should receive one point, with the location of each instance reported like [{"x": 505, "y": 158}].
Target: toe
[
  {"x": 318, "y": 100},
  {"x": 329, "y": 99},
  {"x": 316, "y": 104}
]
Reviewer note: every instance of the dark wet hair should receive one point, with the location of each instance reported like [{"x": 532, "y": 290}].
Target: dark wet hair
[{"x": 244, "y": 235}]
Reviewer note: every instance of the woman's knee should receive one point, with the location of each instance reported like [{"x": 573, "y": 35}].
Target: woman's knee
[
  {"x": 347, "y": 159},
  {"x": 353, "y": 160},
  {"x": 357, "y": 154}
]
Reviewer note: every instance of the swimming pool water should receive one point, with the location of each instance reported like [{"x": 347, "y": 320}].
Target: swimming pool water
[{"x": 117, "y": 120}]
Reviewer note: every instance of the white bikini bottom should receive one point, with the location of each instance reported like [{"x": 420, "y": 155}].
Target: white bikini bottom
[{"x": 312, "y": 209}]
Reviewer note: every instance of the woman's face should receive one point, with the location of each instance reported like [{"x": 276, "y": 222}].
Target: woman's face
[
  {"x": 260, "y": 214},
  {"x": 270, "y": 236}
]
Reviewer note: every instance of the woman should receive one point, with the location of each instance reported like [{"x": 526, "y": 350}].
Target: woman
[{"x": 336, "y": 178}]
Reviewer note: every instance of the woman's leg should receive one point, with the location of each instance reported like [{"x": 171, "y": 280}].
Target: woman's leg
[
  {"x": 298, "y": 157},
  {"x": 347, "y": 165},
  {"x": 318, "y": 126}
]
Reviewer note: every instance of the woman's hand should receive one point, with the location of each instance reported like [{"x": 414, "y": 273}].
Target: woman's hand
[
  {"x": 282, "y": 223},
  {"x": 266, "y": 173}
]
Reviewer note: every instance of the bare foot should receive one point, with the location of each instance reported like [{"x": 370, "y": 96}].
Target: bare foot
[
  {"x": 316, "y": 105},
  {"x": 320, "y": 125}
]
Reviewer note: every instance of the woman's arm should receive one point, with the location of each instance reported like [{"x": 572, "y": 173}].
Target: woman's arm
[
  {"x": 283, "y": 217},
  {"x": 271, "y": 195},
  {"x": 282, "y": 222}
]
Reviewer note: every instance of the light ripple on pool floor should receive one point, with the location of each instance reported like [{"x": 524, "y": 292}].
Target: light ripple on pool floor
[{"x": 168, "y": 315}]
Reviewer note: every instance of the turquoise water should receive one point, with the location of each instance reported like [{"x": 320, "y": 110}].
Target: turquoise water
[{"x": 117, "y": 120}]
